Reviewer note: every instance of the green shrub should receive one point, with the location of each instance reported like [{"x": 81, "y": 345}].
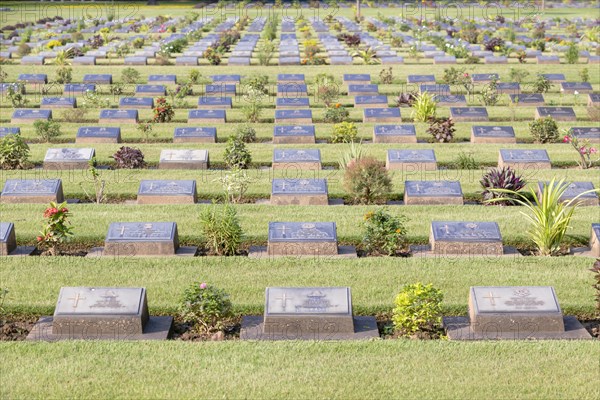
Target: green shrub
[
  {"x": 584, "y": 74},
  {"x": 130, "y": 75},
  {"x": 47, "y": 130},
  {"x": 235, "y": 184},
  {"x": 518, "y": 75},
  {"x": 237, "y": 154},
  {"x": 466, "y": 161},
  {"x": 418, "y": 308},
  {"x": 541, "y": 84},
  {"x": 386, "y": 76},
  {"x": 16, "y": 95},
  {"x": 441, "y": 129},
  {"x": 246, "y": 133},
  {"x": 596, "y": 270},
  {"x": 355, "y": 152},
  {"x": 328, "y": 93},
  {"x": 489, "y": 93},
  {"x": 336, "y": 114},
  {"x": 424, "y": 107},
  {"x": 265, "y": 53},
  {"x": 74, "y": 115},
  {"x": 205, "y": 306},
  {"x": 14, "y": 152},
  {"x": 63, "y": 75},
  {"x": 56, "y": 229},
  {"x": 572, "y": 54},
  {"x": 221, "y": 229},
  {"x": 544, "y": 130},
  {"x": 505, "y": 179},
  {"x": 367, "y": 181},
  {"x": 344, "y": 132},
  {"x": 212, "y": 56},
  {"x": 383, "y": 233},
  {"x": 548, "y": 214},
  {"x": 258, "y": 83},
  {"x": 194, "y": 76}
]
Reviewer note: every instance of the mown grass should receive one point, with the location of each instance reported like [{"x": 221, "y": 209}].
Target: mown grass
[{"x": 381, "y": 369}]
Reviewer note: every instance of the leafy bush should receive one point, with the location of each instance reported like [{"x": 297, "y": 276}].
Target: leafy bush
[
  {"x": 56, "y": 229},
  {"x": 541, "y": 84},
  {"x": 258, "y": 83},
  {"x": 386, "y": 77},
  {"x": 518, "y": 75},
  {"x": 418, "y": 308},
  {"x": 63, "y": 75},
  {"x": 406, "y": 99},
  {"x": 74, "y": 115},
  {"x": 14, "y": 152},
  {"x": 466, "y": 161},
  {"x": 47, "y": 130},
  {"x": 327, "y": 92},
  {"x": 253, "y": 107},
  {"x": 163, "y": 111},
  {"x": 544, "y": 130},
  {"x": 235, "y": 184},
  {"x": 130, "y": 75},
  {"x": 237, "y": 154},
  {"x": 221, "y": 229},
  {"x": 596, "y": 270},
  {"x": 336, "y": 114},
  {"x": 383, "y": 233},
  {"x": 424, "y": 107},
  {"x": 489, "y": 93},
  {"x": 441, "y": 129},
  {"x": 548, "y": 214},
  {"x": 205, "y": 306},
  {"x": 351, "y": 40},
  {"x": 265, "y": 53},
  {"x": 584, "y": 74},
  {"x": 23, "y": 50},
  {"x": 367, "y": 181},
  {"x": 572, "y": 54},
  {"x": 506, "y": 179},
  {"x": 194, "y": 76},
  {"x": 583, "y": 148},
  {"x": 145, "y": 128},
  {"x": 344, "y": 132},
  {"x": 212, "y": 56},
  {"x": 16, "y": 94},
  {"x": 494, "y": 44},
  {"x": 129, "y": 157},
  {"x": 246, "y": 133}
]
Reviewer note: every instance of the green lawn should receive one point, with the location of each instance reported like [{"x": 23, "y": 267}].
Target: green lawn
[{"x": 319, "y": 370}]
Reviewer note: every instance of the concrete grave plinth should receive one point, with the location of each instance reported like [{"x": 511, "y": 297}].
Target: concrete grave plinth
[
  {"x": 595, "y": 240},
  {"x": 32, "y": 191},
  {"x": 394, "y": 134},
  {"x": 514, "y": 313},
  {"x": 8, "y": 238},
  {"x": 101, "y": 313},
  {"x": 558, "y": 113},
  {"x": 68, "y": 158},
  {"x": 433, "y": 193},
  {"x": 183, "y": 159},
  {"x": 492, "y": 134},
  {"x": 524, "y": 159},
  {"x": 411, "y": 160},
  {"x": 118, "y": 116},
  {"x": 141, "y": 239},
  {"x": 293, "y": 116},
  {"x": 468, "y": 114},
  {"x": 527, "y": 100},
  {"x": 167, "y": 192},
  {"x": 214, "y": 103},
  {"x": 292, "y": 103},
  {"x": 310, "y": 313},
  {"x": 363, "y": 90},
  {"x": 382, "y": 115},
  {"x": 58, "y": 102},
  {"x": 303, "y": 192},
  {"x": 135, "y": 103},
  {"x": 207, "y": 116},
  {"x": 591, "y": 134},
  {"x": 195, "y": 135},
  {"x": 579, "y": 87},
  {"x": 593, "y": 100},
  {"x": 372, "y": 101},
  {"x": 294, "y": 134},
  {"x": 94, "y": 134},
  {"x": 302, "y": 238},
  {"x": 356, "y": 79},
  {"x": 465, "y": 238},
  {"x": 292, "y": 159},
  {"x": 575, "y": 189},
  {"x": 27, "y": 116}
]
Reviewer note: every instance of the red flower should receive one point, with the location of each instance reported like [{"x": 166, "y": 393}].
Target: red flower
[
  {"x": 39, "y": 238},
  {"x": 64, "y": 210},
  {"x": 567, "y": 139}
]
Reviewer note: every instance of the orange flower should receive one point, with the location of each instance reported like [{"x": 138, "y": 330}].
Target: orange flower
[{"x": 337, "y": 105}]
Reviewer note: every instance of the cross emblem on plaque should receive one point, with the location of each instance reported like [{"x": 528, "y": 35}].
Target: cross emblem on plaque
[
  {"x": 284, "y": 299},
  {"x": 76, "y": 299},
  {"x": 492, "y": 298},
  {"x": 283, "y": 231}
]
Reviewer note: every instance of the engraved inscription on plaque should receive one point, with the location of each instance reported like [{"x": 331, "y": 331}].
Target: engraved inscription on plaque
[
  {"x": 411, "y": 155},
  {"x": 164, "y": 187},
  {"x": 31, "y": 187},
  {"x": 514, "y": 299},
  {"x": 452, "y": 231},
  {"x": 524, "y": 155},
  {"x": 433, "y": 188},
  {"x": 298, "y": 301},
  {"x": 183, "y": 155},
  {"x": 293, "y": 155},
  {"x": 302, "y": 231},
  {"x": 295, "y": 186},
  {"x": 64, "y": 154},
  {"x": 140, "y": 231},
  {"x": 99, "y": 301}
]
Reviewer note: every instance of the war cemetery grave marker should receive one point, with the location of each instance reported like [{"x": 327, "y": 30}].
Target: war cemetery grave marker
[
  {"x": 356, "y": 79},
  {"x": 186, "y": 60},
  {"x": 466, "y": 114},
  {"x": 524, "y": 159},
  {"x": 465, "y": 238},
  {"x": 163, "y": 79},
  {"x": 548, "y": 60},
  {"x": 8, "y": 239},
  {"x": 492, "y": 134},
  {"x": 136, "y": 103},
  {"x": 292, "y": 102},
  {"x": 593, "y": 99},
  {"x": 483, "y": 78},
  {"x": 33, "y": 78},
  {"x": 411, "y": 160},
  {"x": 340, "y": 60},
  {"x": 558, "y": 113},
  {"x": 442, "y": 90},
  {"x": 214, "y": 103},
  {"x": 95, "y": 134},
  {"x": 150, "y": 90},
  {"x": 381, "y": 115},
  {"x": 309, "y": 159},
  {"x": 291, "y": 90},
  {"x": 30, "y": 116},
  {"x": 514, "y": 313},
  {"x": 440, "y": 60},
  {"x": 496, "y": 60},
  {"x": 309, "y": 313},
  {"x": 183, "y": 159},
  {"x": 588, "y": 133},
  {"x": 136, "y": 60},
  {"x": 508, "y": 88},
  {"x": 98, "y": 79},
  {"x": 68, "y": 158},
  {"x": 33, "y": 60},
  {"x": 293, "y": 116},
  {"x": 302, "y": 239},
  {"x": 456, "y": 100},
  {"x": 58, "y": 102},
  {"x": 528, "y": 99},
  {"x": 195, "y": 135},
  {"x": 88, "y": 60},
  {"x": 595, "y": 240},
  {"x": 207, "y": 116},
  {"x": 290, "y": 78},
  {"x": 73, "y": 89},
  {"x": 294, "y": 134},
  {"x": 226, "y": 79},
  {"x": 4, "y": 131},
  {"x": 220, "y": 90},
  {"x": 579, "y": 87},
  {"x": 573, "y": 190},
  {"x": 32, "y": 191},
  {"x": 394, "y": 134},
  {"x": 555, "y": 78},
  {"x": 303, "y": 192},
  {"x": 432, "y": 192},
  {"x": 363, "y": 90},
  {"x": 167, "y": 192},
  {"x": 373, "y": 101},
  {"x": 101, "y": 313},
  {"x": 421, "y": 79},
  {"x": 118, "y": 116}
]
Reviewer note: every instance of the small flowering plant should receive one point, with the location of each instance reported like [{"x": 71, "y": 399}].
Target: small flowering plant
[
  {"x": 587, "y": 153},
  {"x": 163, "y": 111},
  {"x": 56, "y": 228},
  {"x": 205, "y": 307},
  {"x": 383, "y": 233}
]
